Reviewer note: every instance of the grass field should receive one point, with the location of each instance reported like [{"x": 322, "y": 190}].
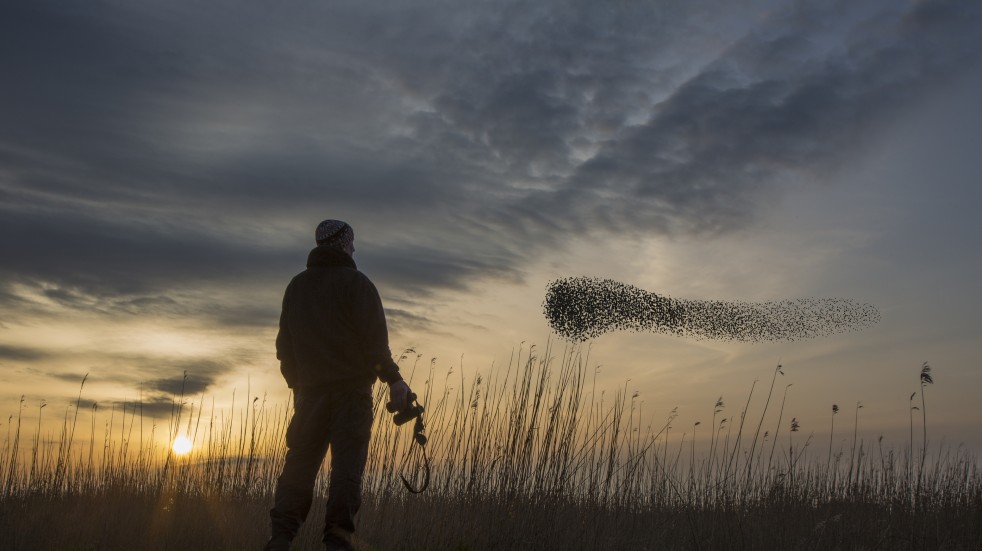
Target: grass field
[{"x": 529, "y": 456}]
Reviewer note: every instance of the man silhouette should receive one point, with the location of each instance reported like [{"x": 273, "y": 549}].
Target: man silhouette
[{"x": 332, "y": 346}]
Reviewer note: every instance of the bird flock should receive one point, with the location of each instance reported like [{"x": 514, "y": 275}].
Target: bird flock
[{"x": 582, "y": 308}]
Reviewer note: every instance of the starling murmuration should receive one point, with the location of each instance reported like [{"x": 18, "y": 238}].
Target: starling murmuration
[{"x": 582, "y": 308}]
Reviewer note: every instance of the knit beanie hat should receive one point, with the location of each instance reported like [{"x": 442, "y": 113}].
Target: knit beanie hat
[{"x": 335, "y": 234}]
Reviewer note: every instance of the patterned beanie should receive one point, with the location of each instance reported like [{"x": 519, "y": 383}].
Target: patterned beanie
[{"x": 334, "y": 233}]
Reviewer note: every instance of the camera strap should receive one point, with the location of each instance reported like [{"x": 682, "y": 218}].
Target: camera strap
[{"x": 419, "y": 439}]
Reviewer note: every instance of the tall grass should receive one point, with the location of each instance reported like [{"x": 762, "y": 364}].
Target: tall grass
[{"x": 529, "y": 455}]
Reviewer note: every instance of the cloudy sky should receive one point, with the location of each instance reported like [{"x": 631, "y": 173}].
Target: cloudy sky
[{"x": 163, "y": 166}]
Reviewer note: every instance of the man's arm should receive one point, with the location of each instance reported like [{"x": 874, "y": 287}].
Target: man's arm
[
  {"x": 375, "y": 339},
  {"x": 374, "y": 333},
  {"x": 284, "y": 345}
]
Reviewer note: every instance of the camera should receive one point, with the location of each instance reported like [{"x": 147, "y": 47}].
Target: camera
[{"x": 412, "y": 410}]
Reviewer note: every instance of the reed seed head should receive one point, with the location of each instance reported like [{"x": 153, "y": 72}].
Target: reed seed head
[{"x": 926, "y": 378}]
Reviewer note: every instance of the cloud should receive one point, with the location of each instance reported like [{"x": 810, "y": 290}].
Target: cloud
[
  {"x": 140, "y": 172},
  {"x": 22, "y": 353},
  {"x": 193, "y": 383},
  {"x": 399, "y": 320},
  {"x": 74, "y": 378},
  {"x": 160, "y": 396},
  {"x": 118, "y": 169},
  {"x": 105, "y": 256},
  {"x": 776, "y": 107},
  {"x": 152, "y": 407},
  {"x": 156, "y": 375},
  {"x": 199, "y": 374},
  {"x": 420, "y": 268}
]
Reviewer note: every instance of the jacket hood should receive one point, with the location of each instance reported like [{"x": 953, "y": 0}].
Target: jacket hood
[{"x": 326, "y": 257}]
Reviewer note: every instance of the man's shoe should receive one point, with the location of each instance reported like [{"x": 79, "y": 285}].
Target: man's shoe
[{"x": 277, "y": 543}]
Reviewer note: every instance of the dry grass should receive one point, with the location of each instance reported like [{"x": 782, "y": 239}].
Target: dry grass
[{"x": 531, "y": 456}]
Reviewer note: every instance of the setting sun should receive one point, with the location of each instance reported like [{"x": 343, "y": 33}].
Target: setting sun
[{"x": 181, "y": 445}]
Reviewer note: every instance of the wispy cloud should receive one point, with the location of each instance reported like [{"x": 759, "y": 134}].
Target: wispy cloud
[
  {"x": 21, "y": 353},
  {"x": 198, "y": 378}
]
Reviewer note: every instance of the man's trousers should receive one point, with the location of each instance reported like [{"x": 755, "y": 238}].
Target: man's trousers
[{"x": 339, "y": 418}]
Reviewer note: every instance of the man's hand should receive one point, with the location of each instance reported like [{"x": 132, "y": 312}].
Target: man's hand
[{"x": 399, "y": 395}]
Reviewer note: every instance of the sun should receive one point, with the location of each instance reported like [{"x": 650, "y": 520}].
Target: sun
[{"x": 182, "y": 445}]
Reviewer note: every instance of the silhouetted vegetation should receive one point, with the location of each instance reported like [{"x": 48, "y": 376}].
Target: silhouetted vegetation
[{"x": 529, "y": 456}]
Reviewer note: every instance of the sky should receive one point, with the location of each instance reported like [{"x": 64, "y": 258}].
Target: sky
[{"x": 163, "y": 166}]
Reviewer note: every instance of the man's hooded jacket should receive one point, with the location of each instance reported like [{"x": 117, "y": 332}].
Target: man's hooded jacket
[{"x": 332, "y": 328}]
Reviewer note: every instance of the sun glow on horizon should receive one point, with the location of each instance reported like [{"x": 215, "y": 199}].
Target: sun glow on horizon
[{"x": 182, "y": 446}]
